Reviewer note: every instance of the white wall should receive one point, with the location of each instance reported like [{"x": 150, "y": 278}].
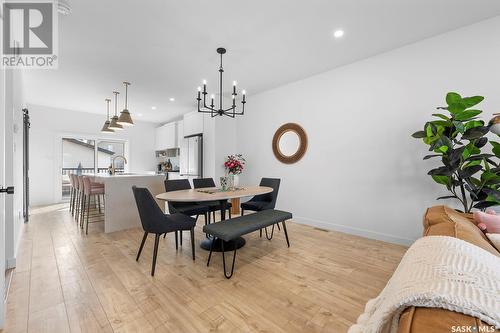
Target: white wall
[
  {"x": 219, "y": 140},
  {"x": 363, "y": 173},
  {"x": 49, "y": 124}
]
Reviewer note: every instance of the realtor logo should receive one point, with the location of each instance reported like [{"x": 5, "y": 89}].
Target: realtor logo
[{"x": 29, "y": 34}]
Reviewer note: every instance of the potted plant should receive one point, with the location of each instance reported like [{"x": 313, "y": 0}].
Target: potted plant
[
  {"x": 234, "y": 166},
  {"x": 458, "y": 139}
]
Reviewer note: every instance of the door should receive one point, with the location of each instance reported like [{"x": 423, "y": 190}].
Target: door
[{"x": 2, "y": 197}]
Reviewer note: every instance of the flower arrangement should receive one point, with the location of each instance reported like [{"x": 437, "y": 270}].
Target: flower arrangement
[{"x": 234, "y": 164}]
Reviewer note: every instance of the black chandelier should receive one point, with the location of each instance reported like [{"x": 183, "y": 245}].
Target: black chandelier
[{"x": 231, "y": 111}]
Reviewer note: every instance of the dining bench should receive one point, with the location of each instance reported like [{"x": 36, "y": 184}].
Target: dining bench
[{"x": 231, "y": 229}]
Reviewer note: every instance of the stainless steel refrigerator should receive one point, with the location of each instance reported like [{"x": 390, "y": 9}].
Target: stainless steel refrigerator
[{"x": 191, "y": 159}]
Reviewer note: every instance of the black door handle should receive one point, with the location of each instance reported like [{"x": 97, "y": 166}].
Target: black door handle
[{"x": 8, "y": 190}]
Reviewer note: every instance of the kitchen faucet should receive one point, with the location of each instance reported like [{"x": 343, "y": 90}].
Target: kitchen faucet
[{"x": 113, "y": 171}]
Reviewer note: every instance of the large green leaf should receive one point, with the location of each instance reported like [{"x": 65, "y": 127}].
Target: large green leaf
[
  {"x": 456, "y": 108},
  {"x": 496, "y": 148},
  {"x": 469, "y": 171},
  {"x": 440, "y": 115},
  {"x": 490, "y": 178},
  {"x": 473, "y": 123},
  {"x": 443, "y": 180},
  {"x": 475, "y": 133},
  {"x": 419, "y": 135},
  {"x": 441, "y": 171},
  {"x": 443, "y": 123},
  {"x": 426, "y": 157},
  {"x": 452, "y": 98},
  {"x": 459, "y": 126},
  {"x": 471, "y": 101},
  {"x": 481, "y": 142},
  {"x": 467, "y": 114},
  {"x": 494, "y": 194},
  {"x": 485, "y": 204},
  {"x": 446, "y": 197}
]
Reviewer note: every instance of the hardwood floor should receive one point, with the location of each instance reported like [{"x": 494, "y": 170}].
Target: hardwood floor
[{"x": 66, "y": 281}]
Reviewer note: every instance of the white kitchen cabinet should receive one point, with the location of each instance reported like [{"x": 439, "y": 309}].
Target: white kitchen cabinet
[
  {"x": 166, "y": 137},
  {"x": 193, "y": 123}
]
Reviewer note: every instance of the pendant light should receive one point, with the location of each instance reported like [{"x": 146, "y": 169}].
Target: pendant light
[
  {"x": 125, "y": 118},
  {"x": 105, "y": 127},
  {"x": 114, "y": 121}
]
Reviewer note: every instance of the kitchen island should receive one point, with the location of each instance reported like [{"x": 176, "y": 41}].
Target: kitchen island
[{"x": 121, "y": 210}]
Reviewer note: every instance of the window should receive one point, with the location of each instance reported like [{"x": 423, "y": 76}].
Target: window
[
  {"x": 78, "y": 158},
  {"x": 106, "y": 150}
]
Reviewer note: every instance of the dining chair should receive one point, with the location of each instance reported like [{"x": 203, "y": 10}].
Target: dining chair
[
  {"x": 186, "y": 208},
  {"x": 214, "y": 206},
  {"x": 154, "y": 221},
  {"x": 263, "y": 201}
]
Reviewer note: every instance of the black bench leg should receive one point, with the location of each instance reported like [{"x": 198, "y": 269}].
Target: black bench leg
[
  {"x": 155, "y": 254},
  {"x": 211, "y": 249},
  {"x": 176, "y": 241},
  {"x": 278, "y": 226},
  {"x": 192, "y": 241},
  {"x": 272, "y": 233},
  {"x": 142, "y": 246},
  {"x": 260, "y": 233},
  {"x": 224, "y": 261},
  {"x": 286, "y": 234}
]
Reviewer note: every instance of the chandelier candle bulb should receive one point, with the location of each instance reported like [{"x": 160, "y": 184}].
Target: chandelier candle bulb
[{"x": 204, "y": 86}]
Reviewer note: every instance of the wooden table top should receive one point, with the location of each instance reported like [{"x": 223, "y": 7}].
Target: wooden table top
[{"x": 197, "y": 195}]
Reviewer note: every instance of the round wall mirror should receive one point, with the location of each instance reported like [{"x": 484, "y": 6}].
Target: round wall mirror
[{"x": 289, "y": 143}]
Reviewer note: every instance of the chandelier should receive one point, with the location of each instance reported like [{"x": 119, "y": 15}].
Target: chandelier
[{"x": 220, "y": 111}]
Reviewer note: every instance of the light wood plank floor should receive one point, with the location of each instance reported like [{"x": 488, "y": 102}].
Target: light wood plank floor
[{"x": 66, "y": 281}]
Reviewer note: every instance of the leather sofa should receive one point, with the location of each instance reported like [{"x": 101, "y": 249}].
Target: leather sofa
[{"x": 445, "y": 221}]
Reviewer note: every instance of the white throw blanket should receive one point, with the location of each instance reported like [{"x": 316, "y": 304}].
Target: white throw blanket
[{"x": 437, "y": 272}]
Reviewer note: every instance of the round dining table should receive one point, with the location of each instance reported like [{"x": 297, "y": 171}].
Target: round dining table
[{"x": 215, "y": 194}]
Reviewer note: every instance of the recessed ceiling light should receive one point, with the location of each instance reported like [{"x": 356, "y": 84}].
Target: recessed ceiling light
[
  {"x": 139, "y": 115},
  {"x": 171, "y": 99},
  {"x": 153, "y": 108},
  {"x": 338, "y": 33}
]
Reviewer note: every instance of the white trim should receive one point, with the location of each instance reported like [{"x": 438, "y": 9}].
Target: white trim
[
  {"x": 354, "y": 231},
  {"x": 10, "y": 263}
]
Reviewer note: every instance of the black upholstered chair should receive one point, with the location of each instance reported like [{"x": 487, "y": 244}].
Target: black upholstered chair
[
  {"x": 154, "y": 221},
  {"x": 186, "y": 208},
  {"x": 214, "y": 206},
  {"x": 263, "y": 201}
]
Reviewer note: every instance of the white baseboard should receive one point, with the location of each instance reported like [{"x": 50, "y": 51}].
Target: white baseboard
[{"x": 354, "y": 231}]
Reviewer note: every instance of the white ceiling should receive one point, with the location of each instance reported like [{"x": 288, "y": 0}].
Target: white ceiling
[{"x": 165, "y": 48}]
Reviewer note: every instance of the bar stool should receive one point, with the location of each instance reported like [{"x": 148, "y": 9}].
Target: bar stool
[
  {"x": 90, "y": 190},
  {"x": 79, "y": 199},
  {"x": 72, "y": 193}
]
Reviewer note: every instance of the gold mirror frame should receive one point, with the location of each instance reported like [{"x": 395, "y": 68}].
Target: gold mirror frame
[{"x": 290, "y": 127}]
